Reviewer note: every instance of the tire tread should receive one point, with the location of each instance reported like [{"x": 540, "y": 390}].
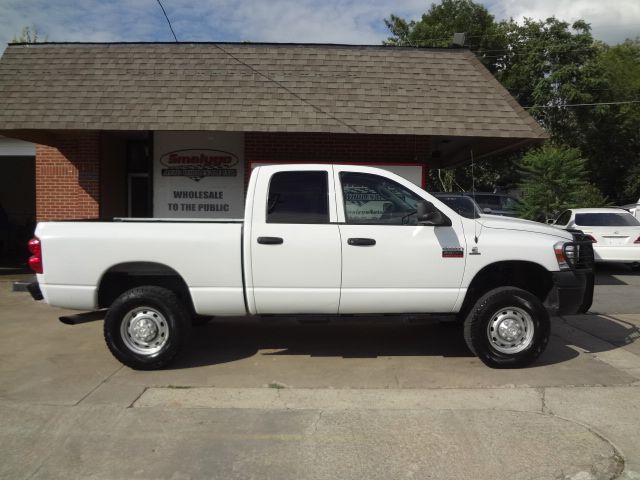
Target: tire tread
[
  {"x": 474, "y": 322},
  {"x": 163, "y": 297}
]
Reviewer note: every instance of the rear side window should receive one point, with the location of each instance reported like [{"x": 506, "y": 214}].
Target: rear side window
[
  {"x": 298, "y": 197},
  {"x": 606, "y": 220}
]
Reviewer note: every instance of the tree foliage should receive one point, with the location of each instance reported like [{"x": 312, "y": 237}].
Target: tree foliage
[
  {"x": 441, "y": 21},
  {"x": 553, "y": 179},
  {"x": 609, "y": 135},
  {"x": 500, "y": 173},
  {"x": 547, "y": 65}
]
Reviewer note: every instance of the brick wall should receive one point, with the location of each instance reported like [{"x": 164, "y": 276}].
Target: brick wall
[
  {"x": 335, "y": 148},
  {"x": 68, "y": 177},
  {"x": 68, "y": 167}
]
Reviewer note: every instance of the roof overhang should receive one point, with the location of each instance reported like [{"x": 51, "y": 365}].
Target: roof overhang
[{"x": 443, "y": 93}]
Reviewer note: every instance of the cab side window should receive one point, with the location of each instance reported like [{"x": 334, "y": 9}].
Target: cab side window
[
  {"x": 374, "y": 200},
  {"x": 298, "y": 197}
]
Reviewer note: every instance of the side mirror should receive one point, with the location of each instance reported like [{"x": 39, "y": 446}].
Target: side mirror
[
  {"x": 550, "y": 221},
  {"x": 429, "y": 215},
  {"x": 487, "y": 210}
]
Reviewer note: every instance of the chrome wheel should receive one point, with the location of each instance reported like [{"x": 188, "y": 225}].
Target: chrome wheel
[
  {"x": 144, "y": 330},
  {"x": 510, "y": 330}
]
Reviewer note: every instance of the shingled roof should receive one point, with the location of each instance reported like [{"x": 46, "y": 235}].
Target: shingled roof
[{"x": 256, "y": 87}]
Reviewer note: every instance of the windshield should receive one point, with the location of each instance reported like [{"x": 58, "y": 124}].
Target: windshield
[
  {"x": 463, "y": 206},
  {"x": 494, "y": 201},
  {"x": 606, "y": 220}
]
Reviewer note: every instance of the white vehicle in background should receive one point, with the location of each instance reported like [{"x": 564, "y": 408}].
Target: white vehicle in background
[{"x": 615, "y": 232}]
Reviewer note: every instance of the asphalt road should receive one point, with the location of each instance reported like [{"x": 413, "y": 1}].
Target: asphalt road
[
  {"x": 617, "y": 289},
  {"x": 281, "y": 400}
]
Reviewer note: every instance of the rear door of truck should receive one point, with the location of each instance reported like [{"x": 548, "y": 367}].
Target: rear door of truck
[{"x": 293, "y": 260}]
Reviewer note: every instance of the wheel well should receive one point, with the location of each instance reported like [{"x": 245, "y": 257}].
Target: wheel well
[
  {"x": 528, "y": 276},
  {"x": 125, "y": 276}
]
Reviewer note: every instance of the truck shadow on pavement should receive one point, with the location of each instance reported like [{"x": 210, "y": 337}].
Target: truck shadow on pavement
[
  {"x": 226, "y": 342},
  {"x": 603, "y": 328},
  {"x": 218, "y": 343}
]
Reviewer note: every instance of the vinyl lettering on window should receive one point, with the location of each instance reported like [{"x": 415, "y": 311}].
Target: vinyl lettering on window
[{"x": 372, "y": 199}]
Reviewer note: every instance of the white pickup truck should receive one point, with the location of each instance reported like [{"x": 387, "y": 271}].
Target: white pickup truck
[{"x": 317, "y": 240}]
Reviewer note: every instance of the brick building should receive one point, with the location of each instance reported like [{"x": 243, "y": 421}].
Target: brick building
[{"x": 173, "y": 130}]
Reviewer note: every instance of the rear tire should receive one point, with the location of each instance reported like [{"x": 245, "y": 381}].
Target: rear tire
[
  {"x": 147, "y": 327},
  {"x": 507, "y": 328}
]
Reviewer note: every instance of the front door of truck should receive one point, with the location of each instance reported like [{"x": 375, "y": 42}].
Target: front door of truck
[
  {"x": 295, "y": 242},
  {"x": 390, "y": 264}
]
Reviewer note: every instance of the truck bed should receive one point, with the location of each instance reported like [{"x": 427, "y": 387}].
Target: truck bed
[{"x": 206, "y": 254}]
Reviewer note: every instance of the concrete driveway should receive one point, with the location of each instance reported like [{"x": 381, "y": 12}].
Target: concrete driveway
[{"x": 277, "y": 399}]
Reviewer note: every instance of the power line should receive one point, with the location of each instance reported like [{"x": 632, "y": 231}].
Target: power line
[
  {"x": 530, "y": 54},
  {"x": 285, "y": 88},
  {"x": 266, "y": 77},
  {"x": 547, "y": 48},
  {"x": 168, "y": 21},
  {"x": 422, "y": 42},
  {"x": 583, "y": 104},
  {"x": 579, "y": 90}
]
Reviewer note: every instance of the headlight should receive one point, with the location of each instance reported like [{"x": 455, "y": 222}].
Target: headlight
[{"x": 565, "y": 256}]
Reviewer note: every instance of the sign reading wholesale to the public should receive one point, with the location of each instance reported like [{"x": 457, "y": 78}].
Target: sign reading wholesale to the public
[{"x": 198, "y": 175}]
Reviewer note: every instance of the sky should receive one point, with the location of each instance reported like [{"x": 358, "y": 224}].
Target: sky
[{"x": 300, "y": 21}]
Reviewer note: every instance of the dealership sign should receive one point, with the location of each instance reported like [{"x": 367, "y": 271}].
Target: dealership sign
[
  {"x": 198, "y": 175},
  {"x": 197, "y": 164}
]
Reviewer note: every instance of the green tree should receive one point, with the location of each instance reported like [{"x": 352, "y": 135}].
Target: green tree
[
  {"x": 609, "y": 135},
  {"x": 549, "y": 64},
  {"x": 441, "y": 21},
  {"x": 500, "y": 171},
  {"x": 554, "y": 178}
]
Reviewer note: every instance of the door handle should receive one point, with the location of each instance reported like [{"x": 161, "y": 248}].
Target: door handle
[
  {"x": 270, "y": 240},
  {"x": 361, "y": 242}
]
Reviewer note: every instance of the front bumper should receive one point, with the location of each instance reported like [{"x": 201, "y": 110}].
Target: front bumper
[{"x": 572, "y": 292}]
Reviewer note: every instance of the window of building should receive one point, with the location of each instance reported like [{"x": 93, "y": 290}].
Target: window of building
[
  {"x": 138, "y": 179},
  {"x": 298, "y": 197}
]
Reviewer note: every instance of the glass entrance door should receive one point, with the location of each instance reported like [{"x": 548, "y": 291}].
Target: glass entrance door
[{"x": 138, "y": 179}]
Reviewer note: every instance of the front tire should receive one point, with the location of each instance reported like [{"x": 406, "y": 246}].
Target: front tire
[
  {"x": 147, "y": 327},
  {"x": 507, "y": 328}
]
